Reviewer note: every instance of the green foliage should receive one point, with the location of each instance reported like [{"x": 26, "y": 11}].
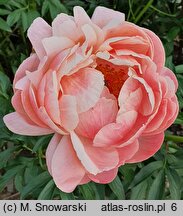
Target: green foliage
[{"x": 23, "y": 158}]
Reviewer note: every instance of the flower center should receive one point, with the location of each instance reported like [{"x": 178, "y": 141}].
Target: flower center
[{"x": 114, "y": 75}]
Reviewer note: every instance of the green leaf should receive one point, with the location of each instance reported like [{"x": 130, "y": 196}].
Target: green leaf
[
  {"x": 157, "y": 188},
  {"x": 28, "y": 17},
  {"x": 14, "y": 17},
  {"x": 172, "y": 34},
  {"x": 146, "y": 171},
  {"x": 47, "y": 192},
  {"x": 87, "y": 191},
  {"x": 139, "y": 191},
  {"x": 55, "y": 8},
  {"x": 4, "y": 85},
  {"x": 66, "y": 196},
  {"x": 175, "y": 184},
  {"x": 45, "y": 7},
  {"x": 42, "y": 141},
  {"x": 179, "y": 69},
  {"x": 4, "y": 12},
  {"x": 35, "y": 183},
  {"x": 99, "y": 191},
  {"x": 117, "y": 188},
  {"x": 175, "y": 162},
  {"x": 169, "y": 63},
  {"x": 4, "y": 26},
  {"x": 5, "y": 155},
  {"x": 9, "y": 175},
  {"x": 19, "y": 182},
  {"x": 60, "y": 6}
]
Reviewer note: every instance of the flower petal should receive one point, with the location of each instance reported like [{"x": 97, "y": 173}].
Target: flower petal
[
  {"x": 159, "y": 52},
  {"x": 67, "y": 170},
  {"x": 68, "y": 112},
  {"x": 91, "y": 121},
  {"x": 17, "y": 124},
  {"x": 29, "y": 64},
  {"x": 102, "y": 16},
  {"x": 80, "y": 16},
  {"x": 104, "y": 177},
  {"x": 148, "y": 146},
  {"x": 86, "y": 85},
  {"x": 53, "y": 45},
  {"x": 51, "y": 150},
  {"x": 127, "y": 152},
  {"x": 91, "y": 156},
  {"x": 113, "y": 134},
  {"x": 37, "y": 31}
]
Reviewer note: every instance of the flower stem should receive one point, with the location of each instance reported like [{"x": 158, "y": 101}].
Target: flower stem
[
  {"x": 174, "y": 138},
  {"x": 163, "y": 13},
  {"x": 143, "y": 11}
]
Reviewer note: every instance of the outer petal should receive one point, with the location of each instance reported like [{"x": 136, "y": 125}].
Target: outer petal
[
  {"x": 95, "y": 160},
  {"x": 64, "y": 26},
  {"x": 104, "y": 177},
  {"x": 67, "y": 170},
  {"x": 102, "y": 16},
  {"x": 148, "y": 146},
  {"x": 51, "y": 149},
  {"x": 29, "y": 64},
  {"x": 17, "y": 124},
  {"x": 159, "y": 52},
  {"x": 85, "y": 180},
  {"x": 80, "y": 16},
  {"x": 127, "y": 152},
  {"x": 86, "y": 85},
  {"x": 103, "y": 113},
  {"x": 37, "y": 31}
]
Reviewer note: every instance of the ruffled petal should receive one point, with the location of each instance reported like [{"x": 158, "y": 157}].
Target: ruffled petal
[
  {"x": 103, "y": 113},
  {"x": 86, "y": 85}
]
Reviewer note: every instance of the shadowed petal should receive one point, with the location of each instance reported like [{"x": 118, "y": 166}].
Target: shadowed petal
[
  {"x": 51, "y": 150},
  {"x": 104, "y": 177}
]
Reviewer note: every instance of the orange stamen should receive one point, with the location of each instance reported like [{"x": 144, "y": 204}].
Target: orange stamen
[{"x": 114, "y": 76}]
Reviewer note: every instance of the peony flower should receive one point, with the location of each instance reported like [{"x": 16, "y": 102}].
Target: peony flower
[{"x": 100, "y": 85}]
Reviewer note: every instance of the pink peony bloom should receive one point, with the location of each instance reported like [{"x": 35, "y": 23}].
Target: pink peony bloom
[{"x": 100, "y": 85}]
